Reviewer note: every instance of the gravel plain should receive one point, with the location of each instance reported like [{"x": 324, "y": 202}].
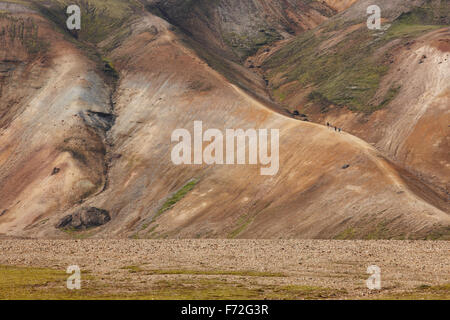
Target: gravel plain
[{"x": 339, "y": 266}]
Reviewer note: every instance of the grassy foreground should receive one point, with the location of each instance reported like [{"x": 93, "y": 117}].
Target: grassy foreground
[{"x": 25, "y": 283}]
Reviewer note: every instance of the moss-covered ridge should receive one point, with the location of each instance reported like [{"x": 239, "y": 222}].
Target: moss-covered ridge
[
  {"x": 348, "y": 73},
  {"x": 100, "y": 19},
  {"x": 240, "y": 28}
]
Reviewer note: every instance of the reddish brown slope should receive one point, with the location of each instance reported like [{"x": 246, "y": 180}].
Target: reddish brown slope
[
  {"x": 404, "y": 110},
  {"x": 49, "y": 158},
  {"x": 237, "y": 28},
  {"x": 165, "y": 86}
]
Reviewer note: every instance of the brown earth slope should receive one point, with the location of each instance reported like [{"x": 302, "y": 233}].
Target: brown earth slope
[
  {"x": 51, "y": 153},
  {"x": 61, "y": 151},
  {"x": 237, "y": 28},
  {"x": 389, "y": 87}
]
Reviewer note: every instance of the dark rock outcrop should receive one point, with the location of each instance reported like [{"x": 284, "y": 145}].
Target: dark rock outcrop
[{"x": 85, "y": 218}]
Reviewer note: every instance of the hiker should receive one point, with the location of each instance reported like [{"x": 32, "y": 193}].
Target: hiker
[
  {"x": 328, "y": 124},
  {"x": 340, "y": 129},
  {"x": 335, "y": 128}
]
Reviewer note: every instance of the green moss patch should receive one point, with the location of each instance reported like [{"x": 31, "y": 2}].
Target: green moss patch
[
  {"x": 24, "y": 283},
  {"x": 422, "y": 292},
  {"x": 348, "y": 73},
  {"x": 24, "y": 31},
  {"x": 134, "y": 269},
  {"x": 180, "y": 194}
]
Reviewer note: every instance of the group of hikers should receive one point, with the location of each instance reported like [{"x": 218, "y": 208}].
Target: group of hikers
[{"x": 335, "y": 128}]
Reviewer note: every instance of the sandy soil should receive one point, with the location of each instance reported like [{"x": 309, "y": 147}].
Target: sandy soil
[{"x": 334, "y": 265}]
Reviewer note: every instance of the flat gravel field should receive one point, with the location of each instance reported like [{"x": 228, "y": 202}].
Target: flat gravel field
[{"x": 224, "y": 269}]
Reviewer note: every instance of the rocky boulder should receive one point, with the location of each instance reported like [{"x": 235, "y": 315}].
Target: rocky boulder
[{"x": 85, "y": 218}]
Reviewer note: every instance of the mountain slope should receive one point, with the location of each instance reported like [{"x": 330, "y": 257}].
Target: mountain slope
[
  {"x": 389, "y": 87},
  {"x": 238, "y": 28},
  {"x": 52, "y": 101},
  {"x": 109, "y": 136}
]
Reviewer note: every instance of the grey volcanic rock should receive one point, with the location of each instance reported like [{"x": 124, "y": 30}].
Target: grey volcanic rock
[{"x": 84, "y": 218}]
